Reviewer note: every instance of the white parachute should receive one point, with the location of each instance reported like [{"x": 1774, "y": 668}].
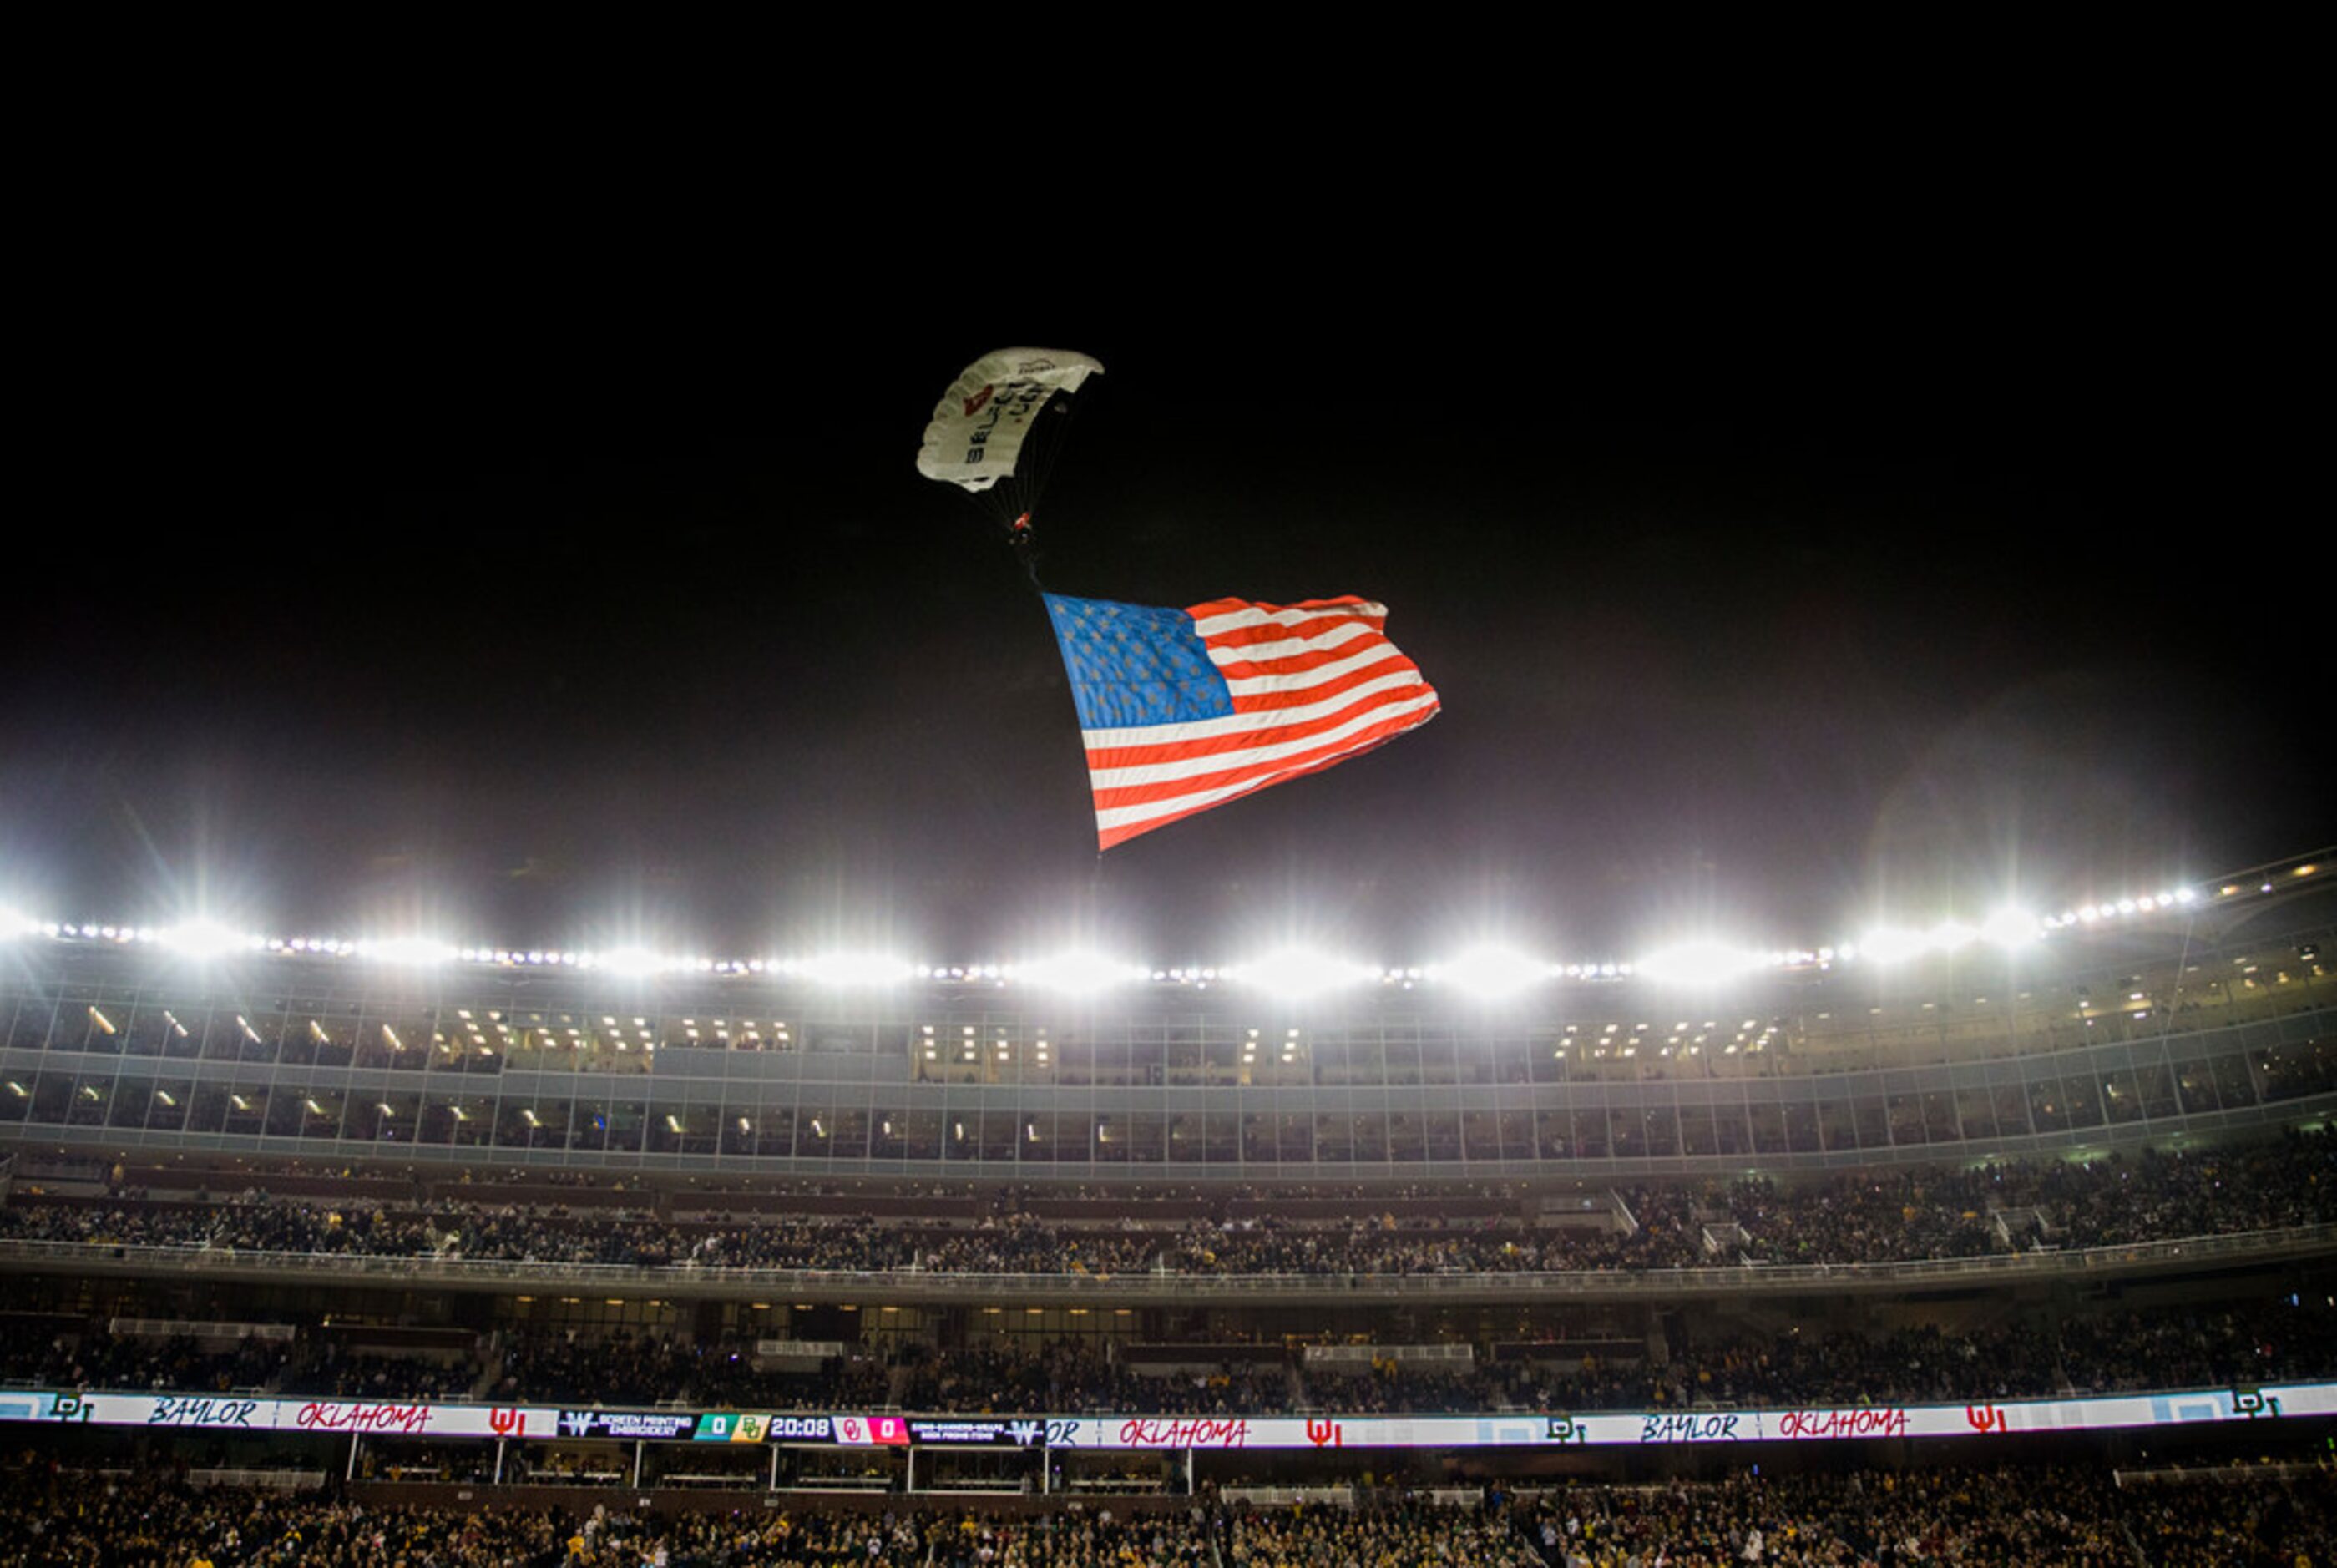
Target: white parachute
[
  {"x": 998, "y": 431},
  {"x": 991, "y": 426}
]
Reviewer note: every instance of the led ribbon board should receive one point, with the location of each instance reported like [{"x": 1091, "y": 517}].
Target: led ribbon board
[{"x": 213, "y": 1413}]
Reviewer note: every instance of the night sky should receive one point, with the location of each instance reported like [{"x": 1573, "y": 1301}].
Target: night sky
[{"x": 425, "y": 650}]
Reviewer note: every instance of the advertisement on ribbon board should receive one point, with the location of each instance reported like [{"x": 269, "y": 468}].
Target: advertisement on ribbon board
[{"x": 390, "y": 1418}]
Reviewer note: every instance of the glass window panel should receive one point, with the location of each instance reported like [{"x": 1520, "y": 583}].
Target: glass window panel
[
  {"x": 588, "y": 1124},
  {"x": 399, "y": 1112},
  {"x": 285, "y": 1111},
  {"x": 29, "y": 1030},
  {"x": 149, "y": 1032},
  {"x": 2120, "y": 1101},
  {"x": 671, "y": 1127},
  {"x": 851, "y": 1140},
  {"x": 2156, "y": 1082},
  {"x": 996, "y": 1134},
  {"x": 167, "y": 1110},
  {"x": 2049, "y": 1108},
  {"x": 87, "y": 1027},
  {"x": 1697, "y": 1134},
  {"x": 1403, "y": 1062},
  {"x": 2085, "y": 1101},
  {"x": 2194, "y": 1081},
  {"x": 537, "y": 1123},
  {"x": 773, "y": 1128},
  {"x": 2233, "y": 1081},
  {"x": 1591, "y": 1141},
  {"x": 920, "y": 1133},
  {"x": 223, "y": 1035},
  {"x": 322, "y": 1114},
  {"x": 246, "y": 1111},
  {"x": 1138, "y": 1139},
  {"x": 1802, "y": 1127},
  {"x": 626, "y": 1118},
  {"x": 90, "y": 1097},
  {"x": 132, "y": 1098},
  {"x": 436, "y": 1125}
]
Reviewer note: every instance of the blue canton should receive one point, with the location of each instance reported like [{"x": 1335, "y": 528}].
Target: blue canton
[{"x": 1133, "y": 664}]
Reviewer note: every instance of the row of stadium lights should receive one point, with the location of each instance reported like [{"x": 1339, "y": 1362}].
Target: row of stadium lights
[{"x": 1487, "y": 971}]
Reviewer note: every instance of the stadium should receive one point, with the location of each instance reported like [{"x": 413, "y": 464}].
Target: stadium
[
  {"x": 1304, "y": 1248},
  {"x": 1765, "y": 1077}
]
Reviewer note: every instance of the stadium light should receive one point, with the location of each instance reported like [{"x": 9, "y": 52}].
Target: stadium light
[
  {"x": 2011, "y": 927},
  {"x": 1489, "y": 972},
  {"x": 633, "y": 960},
  {"x": 1078, "y": 974},
  {"x": 1703, "y": 960},
  {"x": 1891, "y": 943},
  {"x": 1949, "y": 937},
  {"x": 411, "y": 952},
  {"x": 853, "y": 969},
  {"x": 206, "y": 940},
  {"x": 1295, "y": 973}
]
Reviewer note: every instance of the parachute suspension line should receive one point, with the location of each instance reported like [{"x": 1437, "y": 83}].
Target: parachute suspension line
[
  {"x": 1041, "y": 451},
  {"x": 1020, "y": 493},
  {"x": 1060, "y": 412}
]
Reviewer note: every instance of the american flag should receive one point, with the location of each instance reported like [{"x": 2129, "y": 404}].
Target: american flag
[{"x": 1183, "y": 709}]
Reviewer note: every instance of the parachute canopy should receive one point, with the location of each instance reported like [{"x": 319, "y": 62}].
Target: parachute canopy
[{"x": 989, "y": 428}]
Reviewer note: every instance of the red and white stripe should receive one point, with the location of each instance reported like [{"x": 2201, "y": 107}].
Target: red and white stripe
[{"x": 1313, "y": 685}]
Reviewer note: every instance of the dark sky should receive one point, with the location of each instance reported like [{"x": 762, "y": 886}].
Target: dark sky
[{"x": 1757, "y": 647}]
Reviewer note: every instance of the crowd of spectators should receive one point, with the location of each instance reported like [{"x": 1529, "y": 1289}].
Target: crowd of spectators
[
  {"x": 75, "y": 1521},
  {"x": 1395, "y": 1533},
  {"x": 1887, "y": 1519},
  {"x": 1866, "y": 1217},
  {"x": 94, "y": 1358},
  {"x": 627, "y": 1367}
]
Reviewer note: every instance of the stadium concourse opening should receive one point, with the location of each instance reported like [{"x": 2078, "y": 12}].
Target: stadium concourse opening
[{"x": 2004, "y": 1256}]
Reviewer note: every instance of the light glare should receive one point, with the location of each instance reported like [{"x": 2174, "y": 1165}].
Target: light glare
[
  {"x": 1295, "y": 972},
  {"x": 1078, "y": 973},
  {"x": 1707, "y": 958},
  {"x": 847, "y": 969},
  {"x": 1490, "y": 970}
]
